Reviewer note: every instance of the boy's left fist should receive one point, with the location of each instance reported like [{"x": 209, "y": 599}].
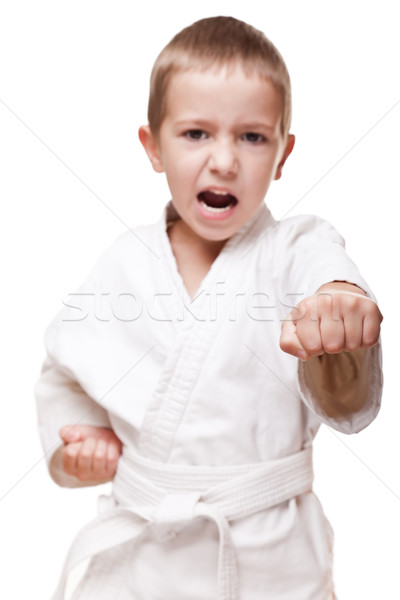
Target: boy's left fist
[{"x": 333, "y": 320}]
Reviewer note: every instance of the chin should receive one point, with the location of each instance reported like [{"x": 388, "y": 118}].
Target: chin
[{"x": 218, "y": 235}]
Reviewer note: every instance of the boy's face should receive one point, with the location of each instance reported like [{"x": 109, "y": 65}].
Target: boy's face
[{"x": 220, "y": 146}]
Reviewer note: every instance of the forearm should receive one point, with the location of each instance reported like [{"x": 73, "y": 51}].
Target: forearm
[
  {"x": 335, "y": 334},
  {"x": 338, "y": 382},
  {"x": 341, "y": 378}
]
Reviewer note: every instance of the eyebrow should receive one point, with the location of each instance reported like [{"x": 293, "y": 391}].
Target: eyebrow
[
  {"x": 203, "y": 123},
  {"x": 193, "y": 123},
  {"x": 257, "y": 125}
]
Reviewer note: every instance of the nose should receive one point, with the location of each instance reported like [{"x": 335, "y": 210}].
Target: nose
[{"x": 223, "y": 158}]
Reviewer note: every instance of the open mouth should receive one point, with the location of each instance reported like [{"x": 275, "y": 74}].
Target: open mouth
[{"x": 217, "y": 201}]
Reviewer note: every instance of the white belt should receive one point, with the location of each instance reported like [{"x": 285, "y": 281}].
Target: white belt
[{"x": 165, "y": 498}]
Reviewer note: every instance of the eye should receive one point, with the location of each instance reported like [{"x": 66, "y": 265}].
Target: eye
[
  {"x": 195, "y": 134},
  {"x": 254, "y": 138}
]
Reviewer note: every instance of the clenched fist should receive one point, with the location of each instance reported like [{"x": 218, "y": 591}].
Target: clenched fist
[
  {"x": 339, "y": 317},
  {"x": 90, "y": 453}
]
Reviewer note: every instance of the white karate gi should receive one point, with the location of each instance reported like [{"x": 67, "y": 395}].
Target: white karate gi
[{"x": 201, "y": 396}]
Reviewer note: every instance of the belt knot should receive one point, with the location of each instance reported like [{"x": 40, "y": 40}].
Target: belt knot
[{"x": 173, "y": 514}]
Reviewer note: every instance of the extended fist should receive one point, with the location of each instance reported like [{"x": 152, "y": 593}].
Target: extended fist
[{"x": 332, "y": 321}]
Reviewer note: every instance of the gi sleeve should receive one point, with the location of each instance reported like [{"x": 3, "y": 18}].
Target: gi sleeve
[
  {"x": 62, "y": 401},
  {"x": 343, "y": 390}
]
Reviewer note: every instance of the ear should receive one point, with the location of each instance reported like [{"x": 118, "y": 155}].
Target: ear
[
  {"x": 286, "y": 153},
  {"x": 150, "y": 145}
]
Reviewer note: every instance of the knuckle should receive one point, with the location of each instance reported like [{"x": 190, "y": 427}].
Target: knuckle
[
  {"x": 351, "y": 302},
  {"x": 85, "y": 454},
  {"x": 373, "y": 309},
  {"x": 324, "y": 300},
  {"x": 377, "y": 314},
  {"x": 370, "y": 341},
  {"x": 112, "y": 463},
  {"x": 69, "y": 452},
  {"x": 371, "y": 335},
  {"x": 332, "y": 348},
  {"x": 112, "y": 453},
  {"x": 312, "y": 347},
  {"x": 308, "y": 304},
  {"x": 352, "y": 346},
  {"x": 324, "y": 297}
]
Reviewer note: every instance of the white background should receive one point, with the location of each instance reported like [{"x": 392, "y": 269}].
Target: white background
[{"x": 73, "y": 92}]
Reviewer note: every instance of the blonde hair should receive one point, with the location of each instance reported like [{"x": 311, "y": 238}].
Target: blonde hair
[{"x": 218, "y": 42}]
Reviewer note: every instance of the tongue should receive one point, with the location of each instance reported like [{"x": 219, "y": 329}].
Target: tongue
[{"x": 217, "y": 200}]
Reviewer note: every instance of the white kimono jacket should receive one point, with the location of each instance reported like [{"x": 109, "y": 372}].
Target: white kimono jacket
[{"x": 213, "y": 494}]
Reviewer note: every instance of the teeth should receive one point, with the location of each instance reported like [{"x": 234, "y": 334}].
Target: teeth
[
  {"x": 219, "y": 193},
  {"x": 215, "y": 210}
]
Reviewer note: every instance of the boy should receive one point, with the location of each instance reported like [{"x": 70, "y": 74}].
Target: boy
[{"x": 182, "y": 372}]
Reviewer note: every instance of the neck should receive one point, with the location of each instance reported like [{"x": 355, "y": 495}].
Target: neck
[
  {"x": 194, "y": 255},
  {"x": 181, "y": 234}
]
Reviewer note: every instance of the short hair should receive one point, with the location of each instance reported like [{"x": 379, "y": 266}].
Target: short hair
[{"x": 216, "y": 42}]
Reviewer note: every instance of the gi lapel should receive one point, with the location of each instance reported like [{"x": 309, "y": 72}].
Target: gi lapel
[{"x": 198, "y": 326}]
